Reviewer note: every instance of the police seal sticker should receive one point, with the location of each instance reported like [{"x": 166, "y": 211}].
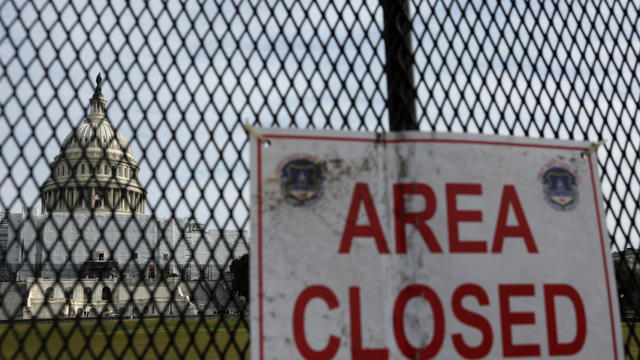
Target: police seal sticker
[
  {"x": 301, "y": 178},
  {"x": 560, "y": 186}
]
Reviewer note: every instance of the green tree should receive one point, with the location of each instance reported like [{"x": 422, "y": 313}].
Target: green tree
[
  {"x": 240, "y": 270},
  {"x": 628, "y": 286}
]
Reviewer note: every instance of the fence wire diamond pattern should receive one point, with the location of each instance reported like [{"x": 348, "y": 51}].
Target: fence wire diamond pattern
[{"x": 124, "y": 201}]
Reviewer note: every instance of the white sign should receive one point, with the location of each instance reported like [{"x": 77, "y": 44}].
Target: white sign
[{"x": 426, "y": 245}]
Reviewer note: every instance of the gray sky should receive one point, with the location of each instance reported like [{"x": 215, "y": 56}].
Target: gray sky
[{"x": 182, "y": 76}]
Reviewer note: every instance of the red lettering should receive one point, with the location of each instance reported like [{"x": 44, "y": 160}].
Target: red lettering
[
  {"x": 324, "y": 293},
  {"x": 362, "y": 195},
  {"x": 509, "y": 196},
  {"x": 555, "y": 347},
  {"x": 455, "y": 216},
  {"x": 418, "y": 219},
  {"x": 357, "y": 351},
  {"x": 403, "y": 298},
  {"x": 472, "y": 319},
  {"x": 508, "y": 319}
]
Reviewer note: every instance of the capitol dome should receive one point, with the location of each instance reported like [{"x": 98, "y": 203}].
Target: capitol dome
[
  {"x": 104, "y": 134},
  {"x": 95, "y": 169}
]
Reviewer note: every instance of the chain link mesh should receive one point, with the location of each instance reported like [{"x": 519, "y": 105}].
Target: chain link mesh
[{"x": 122, "y": 231}]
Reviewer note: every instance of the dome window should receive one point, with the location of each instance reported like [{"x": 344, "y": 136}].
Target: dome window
[{"x": 82, "y": 169}]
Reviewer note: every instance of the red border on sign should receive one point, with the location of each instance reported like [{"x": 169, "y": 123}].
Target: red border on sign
[
  {"x": 260, "y": 293},
  {"x": 449, "y": 141},
  {"x": 604, "y": 259}
]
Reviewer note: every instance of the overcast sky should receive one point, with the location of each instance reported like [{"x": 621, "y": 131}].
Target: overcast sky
[{"x": 181, "y": 76}]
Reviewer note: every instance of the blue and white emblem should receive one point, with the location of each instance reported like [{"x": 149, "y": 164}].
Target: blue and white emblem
[
  {"x": 301, "y": 180},
  {"x": 560, "y": 186}
]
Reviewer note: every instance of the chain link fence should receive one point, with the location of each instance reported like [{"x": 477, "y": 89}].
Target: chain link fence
[{"x": 124, "y": 200}]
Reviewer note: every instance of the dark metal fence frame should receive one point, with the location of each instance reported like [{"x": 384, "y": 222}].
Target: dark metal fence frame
[{"x": 587, "y": 46}]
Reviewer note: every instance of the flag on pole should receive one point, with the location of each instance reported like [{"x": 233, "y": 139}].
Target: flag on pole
[{"x": 98, "y": 199}]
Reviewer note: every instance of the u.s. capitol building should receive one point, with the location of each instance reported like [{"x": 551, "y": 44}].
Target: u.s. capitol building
[{"x": 91, "y": 245}]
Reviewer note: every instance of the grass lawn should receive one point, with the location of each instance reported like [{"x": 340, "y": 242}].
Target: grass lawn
[
  {"x": 633, "y": 346},
  {"x": 150, "y": 339},
  {"x": 111, "y": 339}
]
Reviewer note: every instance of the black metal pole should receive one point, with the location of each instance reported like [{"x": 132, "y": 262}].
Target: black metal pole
[{"x": 399, "y": 67}]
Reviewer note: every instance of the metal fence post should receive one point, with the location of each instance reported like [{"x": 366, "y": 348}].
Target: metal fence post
[
  {"x": 399, "y": 66},
  {"x": 182, "y": 78}
]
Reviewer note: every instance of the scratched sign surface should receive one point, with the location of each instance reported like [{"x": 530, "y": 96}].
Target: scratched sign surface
[{"x": 426, "y": 245}]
